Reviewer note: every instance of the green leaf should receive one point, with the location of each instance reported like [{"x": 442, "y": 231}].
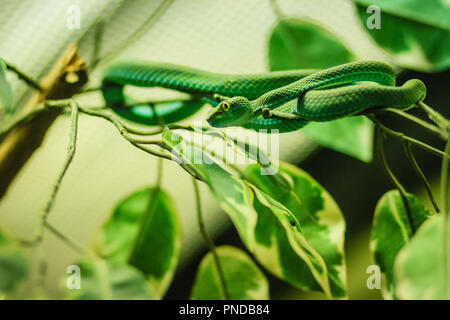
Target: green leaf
[
  {"x": 6, "y": 98},
  {"x": 415, "y": 33},
  {"x": 263, "y": 224},
  {"x": 420, "y": 270},
  {"x": 352, "y": 136},
  {"x": 244, "y": 280},
  {"x": 13, "y": 265},
  {"x": 391, "y": 231},
  {"x": 108, "y": 280},
  {"x": 320, "y": 218},
  {"x": 144, "y": 231},
  {"x": 299, "y": 44}
]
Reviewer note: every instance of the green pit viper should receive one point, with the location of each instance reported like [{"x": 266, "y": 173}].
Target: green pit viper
[{"x": 283, "y": 100}]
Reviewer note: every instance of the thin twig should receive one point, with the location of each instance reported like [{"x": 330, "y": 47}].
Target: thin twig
[
  {"x": 66, "y": 239},
  {"x": 435, "y": 116},
  {"x": 178, "y": 158},
  {"x": 22, "y": 120},
  {"x": 209, "y": 242},
  {"x": 70, "y": 154},
  {"x": 174, "y": 156},
  {"x": 402, "y": 136},
  {"x": 420, "y": 174},
  {"x": 28, "y": 80},
  {"x": 88, "y": 90},
  {"x": 162, "y": 125},
  {"x": 160, "y": 170},
  {"x": 419, "y": 121},
  {"x": 96, "y": 48},
  {"x": 31, "y": 115},
  {"x": 44, "y": 218},
  {"x": 123, "y": 131},
  {"x": 152, "y": 132},
  {"x": 276, "y": 9},
  {"x": 143, "y": 29},
  {"x": 393, "y": 178}
]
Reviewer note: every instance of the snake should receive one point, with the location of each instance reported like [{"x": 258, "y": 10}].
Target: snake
[{"x": 283, "y": 100}]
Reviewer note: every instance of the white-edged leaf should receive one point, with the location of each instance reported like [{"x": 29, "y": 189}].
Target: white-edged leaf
[
  {"x": 320, "y": 218},
  {"x": 244, "y": 280},
  {"x": 251, "y": 211}
]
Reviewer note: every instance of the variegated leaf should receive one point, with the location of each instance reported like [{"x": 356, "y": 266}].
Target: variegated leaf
[
  {"x": 266, "y": 227},
  {"x": 244, "y": 280},
  {"x": 320, "y": 218}
]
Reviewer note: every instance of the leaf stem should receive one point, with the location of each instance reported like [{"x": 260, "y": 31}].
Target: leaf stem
[
  {"x": 436, "y": 117},
  {"x": 209, "y": 242},
  {"x": 142, "y": 30},
  {"x": 66, "y": 239},
  {"x": 420, "y": 174},
  {"x": 98, "y": 37},
  {"x": 70, "y": 154},
  {"x": 276, "y": 9},
  {"x": 419, "y": 121},
  {"x": 50, "y": 203},
  {"x": 28, "y": 80},
  {"x": 393, "y": 178},
  {"x": 124, "y": 132},
  {"x": 88, "y": 90},
  {"x": 402, "y": 136},
  {"x": 22, "y": 120}
]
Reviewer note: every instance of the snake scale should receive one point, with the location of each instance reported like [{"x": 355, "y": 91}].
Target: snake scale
[{"x": 283, "y": 100}]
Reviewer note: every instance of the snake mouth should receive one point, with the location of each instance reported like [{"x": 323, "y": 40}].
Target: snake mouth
[
  {"x": 213, "y": 115},
  {"x": 221, "y": 119}
]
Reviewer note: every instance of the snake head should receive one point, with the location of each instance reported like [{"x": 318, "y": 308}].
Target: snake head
[{"x": 234, "y": 111}]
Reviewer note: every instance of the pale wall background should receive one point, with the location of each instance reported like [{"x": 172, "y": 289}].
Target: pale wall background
[{"x": 222, "y": 36}]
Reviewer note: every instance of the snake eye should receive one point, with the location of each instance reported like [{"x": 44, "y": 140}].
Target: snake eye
[{"x": 225, "y": 106}]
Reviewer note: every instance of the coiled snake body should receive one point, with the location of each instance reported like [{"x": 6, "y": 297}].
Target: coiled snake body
[{"x": 283, "y": 100}]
